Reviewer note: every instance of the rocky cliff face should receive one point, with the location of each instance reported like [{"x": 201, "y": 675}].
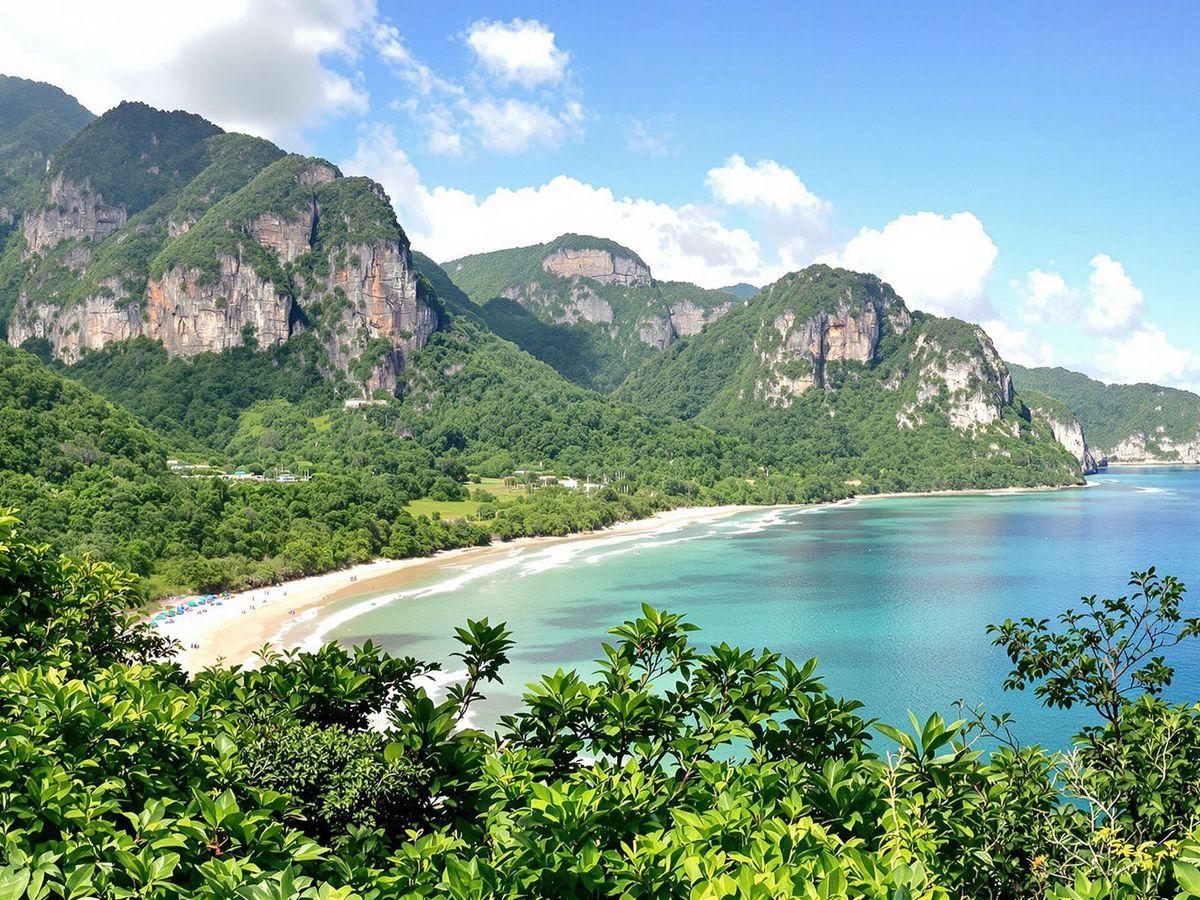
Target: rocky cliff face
[
  {"x": 581, "y": 303},
  {"x": 1066, "y": 429},
  {"x": 99, "y": 320},
  {"x": 1156, "y": 448},
  {"x": 214, "y": 264},
  {"x": 71, "y": 211},
  {"x": 687, "y": 318},
  {"x": 967, "y": 378},
  {"x": 796, "y": 350},
  {"x": 603, "y": 266},
  {"x": 191, "y": 315},
  {"x": 382, "y": 302}
]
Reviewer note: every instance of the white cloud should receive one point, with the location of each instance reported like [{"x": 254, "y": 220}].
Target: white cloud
[
  {"x": 1015, "y": 345},
  {"x": 1148, "y": 355},
  {"x": 515, "y": 126},
  {"x": 457, "y": 119},
  {"x": 1116, "y": 303},
  {"x": 639, "y": 138},
  {"x": 1046, "y": 297},
  {"x": 936, "y": 263},
  {"x": 263, "y": 66},
  {"x": 764, "y": 186},
  {"x": 687, "y": 243},
  {"x": 792, "y": 217},
  {"x": 518, "y": 52}
]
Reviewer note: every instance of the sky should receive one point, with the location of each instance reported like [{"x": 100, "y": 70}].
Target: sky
[{"x": 1028, "y": 166}]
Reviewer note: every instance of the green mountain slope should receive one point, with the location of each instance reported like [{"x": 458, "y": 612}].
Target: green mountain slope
[
  {"x": 827, "y": 371},
  {"x": 35, "y": 120},
  {"x": 158, "y": 224},
  {"x": 587, "y": 306},
  {"x": 1124, "y": 422},
  {"x": 741, "y": 290}
]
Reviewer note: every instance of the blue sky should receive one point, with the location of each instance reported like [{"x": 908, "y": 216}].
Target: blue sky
[{"x": 1029, "y": 166}]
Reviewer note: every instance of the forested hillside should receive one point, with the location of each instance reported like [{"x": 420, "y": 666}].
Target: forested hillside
[
  {"x": 1124, "y": 422},
  {"x": 826, "y": 371},
  {"x": 585, "y": 305},
  {"x": 35, "y": 120}
]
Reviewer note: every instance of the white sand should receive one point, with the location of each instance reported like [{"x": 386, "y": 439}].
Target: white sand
[{"x": 281, "y": 615}]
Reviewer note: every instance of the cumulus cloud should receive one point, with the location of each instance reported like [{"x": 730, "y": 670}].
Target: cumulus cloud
[
  {"x": 688, "y": 242},
  {"x": 269, "y": 67},
  {"x": 792, "y": 216},
  {"x": 1115, "y": 302},
  {"x": 521, "y": 51},
  {"x": 1148, "y": 355},
  {"x": 514, "y": 126},
  {"x": 936, "y": 263},
  {"x": 766, "y": 185},
  {"x": 477, "y": 114},
  {"x": 1046, "y": 297},
  {"x": 1016, "y": 345}
]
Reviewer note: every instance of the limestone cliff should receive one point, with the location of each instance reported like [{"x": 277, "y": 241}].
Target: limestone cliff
[
  {"x": 253, "y": 245},
  {"x": 798, "y": 345},
  {"x": 600, "y": 265},
  {"x": 1132, "y": 423},
  {"x": 71, "y": 211},
  {"x": 830, "y": 370},
  {"x": 959, "y": 369},
  {"x": 605, "y": 311},
  {"x": 1065, "y": 427}
]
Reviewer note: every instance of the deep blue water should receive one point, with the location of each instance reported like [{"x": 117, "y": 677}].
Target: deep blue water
[{"x": 892, "y": 595}]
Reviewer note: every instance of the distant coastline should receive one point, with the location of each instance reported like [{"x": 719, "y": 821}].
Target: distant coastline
[{"x": 284, "y": 614}]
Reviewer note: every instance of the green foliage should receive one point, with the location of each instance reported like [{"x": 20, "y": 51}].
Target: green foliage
[
  {"x": 849, "y": 429},
  {"x": 1107, "y": 654},
  {"x": 1111, "y": 413},
  {"x": 134, "y": 154},
  {"x": 672, "y": 772},
  {"x": 541, "y": 320}
]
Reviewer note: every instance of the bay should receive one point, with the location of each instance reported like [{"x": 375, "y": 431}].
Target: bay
[{"x": 893, "y": 595}]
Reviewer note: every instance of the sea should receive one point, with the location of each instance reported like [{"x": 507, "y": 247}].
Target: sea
[{"x": 893, "y": 596}]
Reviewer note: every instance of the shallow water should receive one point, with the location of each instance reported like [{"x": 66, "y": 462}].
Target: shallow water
[{"x": 892, "y": 595}]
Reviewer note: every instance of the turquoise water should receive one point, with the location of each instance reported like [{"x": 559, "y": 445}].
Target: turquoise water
[{"x": 892, "y": 595}]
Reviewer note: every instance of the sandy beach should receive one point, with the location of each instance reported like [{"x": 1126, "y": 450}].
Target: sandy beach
[{"x": 281, "y": 615}]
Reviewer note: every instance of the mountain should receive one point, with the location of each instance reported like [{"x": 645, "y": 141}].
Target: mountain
[
  {"x": 160, "y": 224},
  {"x": 741, "y": 290},
  {"x": 35, "y": 120},
  {"x": 587, "y": 306},
  {"x": 1124, "y": 422},
  {"x": 828, "y": 371},
  {"x": 1064, "y": 425}
]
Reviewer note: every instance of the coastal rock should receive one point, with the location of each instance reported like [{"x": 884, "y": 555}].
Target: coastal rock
[
  {"x": 1068, "y": 432},
  {"x": 71, "y": 212},
  {"x": 973, "y": 380},
  {"x": 599, "y": 265}
]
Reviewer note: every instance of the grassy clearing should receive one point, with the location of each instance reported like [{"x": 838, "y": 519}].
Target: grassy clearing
[{"x": 458, "y": 509}]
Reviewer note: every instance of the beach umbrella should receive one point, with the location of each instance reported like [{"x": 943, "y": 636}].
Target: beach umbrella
[{"x": 192, "y": 603}]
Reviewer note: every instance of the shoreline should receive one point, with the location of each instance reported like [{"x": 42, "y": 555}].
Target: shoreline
[
  {"x": 285, "y": 614},
  {"x": 232, "y": 633}
]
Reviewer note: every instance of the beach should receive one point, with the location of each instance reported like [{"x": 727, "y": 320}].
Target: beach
[{"x": 283, "y": 615}]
